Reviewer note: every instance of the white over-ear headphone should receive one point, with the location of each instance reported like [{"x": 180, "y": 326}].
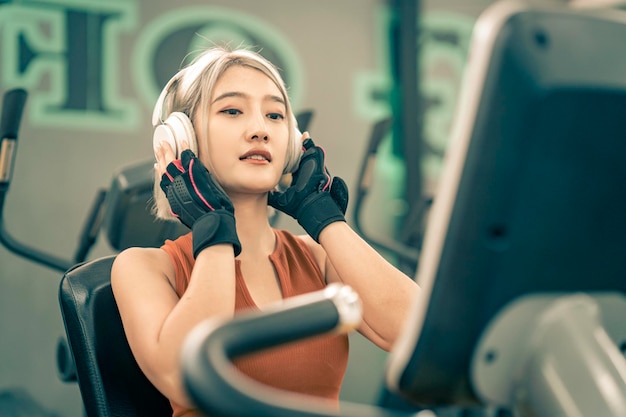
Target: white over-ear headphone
[{"x": 177, "y": 128}]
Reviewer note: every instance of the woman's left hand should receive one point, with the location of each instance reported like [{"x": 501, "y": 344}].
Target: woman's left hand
[{"x": 314, "y": 198}]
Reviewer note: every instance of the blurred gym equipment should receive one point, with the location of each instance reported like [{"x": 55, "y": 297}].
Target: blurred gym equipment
[{"x": 121, "y": 212}]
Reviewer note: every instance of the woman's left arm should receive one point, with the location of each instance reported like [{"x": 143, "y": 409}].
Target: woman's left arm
[
  {"x": 386, "y": 293},
  {"x": 319, "y": 202}
]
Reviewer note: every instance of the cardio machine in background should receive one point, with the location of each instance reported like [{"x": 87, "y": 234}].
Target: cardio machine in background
[
  {"x": 522, "y": 268},
  {"x": 121, "y": 212}
]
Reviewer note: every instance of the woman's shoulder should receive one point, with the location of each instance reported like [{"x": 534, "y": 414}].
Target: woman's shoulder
[
  {"x": 136, "y": 255},
  {"x": 139, "y": 257},
  {"x": 138, "y": 262}
]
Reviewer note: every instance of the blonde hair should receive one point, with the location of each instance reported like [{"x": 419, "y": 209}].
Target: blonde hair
[{"x": 189, "y": 91}]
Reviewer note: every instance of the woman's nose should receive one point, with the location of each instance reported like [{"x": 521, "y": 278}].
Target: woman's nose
[
  {"x": 258, "y": 129},
  {"x": 260, "y": 136}
]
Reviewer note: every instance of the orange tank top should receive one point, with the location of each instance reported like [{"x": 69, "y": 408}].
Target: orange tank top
[{"x": 314, "y": 367}]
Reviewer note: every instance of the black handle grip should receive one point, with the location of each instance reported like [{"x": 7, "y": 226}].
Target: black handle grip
[{"x": 12, "y": 109}]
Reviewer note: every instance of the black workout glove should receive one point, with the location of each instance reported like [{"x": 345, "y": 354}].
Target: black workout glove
[
  {"x": 314, "y": 198},
  {"x": 200, "y": 203}
]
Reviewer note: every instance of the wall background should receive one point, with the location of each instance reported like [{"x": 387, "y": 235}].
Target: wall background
[{"x": 341, "y": 51}]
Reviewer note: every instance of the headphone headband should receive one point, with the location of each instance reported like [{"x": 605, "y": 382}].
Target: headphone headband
[
  {"x": 157, "y": 114},
  {"x": 186, "y": 76}
]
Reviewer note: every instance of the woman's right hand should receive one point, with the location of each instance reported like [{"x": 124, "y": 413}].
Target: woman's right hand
[{"x": 199, "y": 202}]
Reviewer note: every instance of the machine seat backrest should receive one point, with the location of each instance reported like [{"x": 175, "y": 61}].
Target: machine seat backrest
[{"x": 110, "y": 381}]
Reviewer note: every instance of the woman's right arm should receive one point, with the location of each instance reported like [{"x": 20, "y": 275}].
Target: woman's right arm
[{"x": 156, "y": 321}]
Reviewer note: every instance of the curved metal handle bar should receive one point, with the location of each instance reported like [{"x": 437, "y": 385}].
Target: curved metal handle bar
[
  {"x": 219, "y": 389},
  {"x": 12, "y": 109}
]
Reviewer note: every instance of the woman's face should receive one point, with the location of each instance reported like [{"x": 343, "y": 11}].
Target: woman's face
[{"x": 248, "y": 132}]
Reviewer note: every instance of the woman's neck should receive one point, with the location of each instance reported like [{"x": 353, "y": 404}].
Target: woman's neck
[{"x": 253, "y": 227}]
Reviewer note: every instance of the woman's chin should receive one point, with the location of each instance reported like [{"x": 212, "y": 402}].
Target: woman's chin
[{"x": 256, "y": 189}]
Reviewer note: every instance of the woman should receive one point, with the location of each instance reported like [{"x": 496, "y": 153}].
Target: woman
[{"x": 236, "y": 105}]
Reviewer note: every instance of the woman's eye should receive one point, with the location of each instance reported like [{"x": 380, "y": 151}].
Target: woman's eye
[
  {"x": 231, "y": 112},
  {"x": 275, "y": 116}
]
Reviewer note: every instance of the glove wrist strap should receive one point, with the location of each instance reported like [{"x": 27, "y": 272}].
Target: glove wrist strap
[
  {"x": 213, "y": 228},
  {"x": 317, "y": 212}
]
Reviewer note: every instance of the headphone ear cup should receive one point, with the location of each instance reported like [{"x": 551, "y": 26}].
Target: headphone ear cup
[
  {"x": 183, "y": 131},
  {"x": 294, "y": 152},
  {"x": 176, "y": 130},
  {"x": 163, "y": 133}
]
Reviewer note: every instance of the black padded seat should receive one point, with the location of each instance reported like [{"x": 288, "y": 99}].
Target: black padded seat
[{"x": 110, "y": 381}]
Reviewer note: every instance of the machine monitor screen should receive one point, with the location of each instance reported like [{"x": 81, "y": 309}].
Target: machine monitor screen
[{"x": 533, "y": 194}]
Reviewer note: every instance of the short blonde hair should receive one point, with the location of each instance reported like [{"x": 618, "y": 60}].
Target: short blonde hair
[{"x": 189, "y": 91}]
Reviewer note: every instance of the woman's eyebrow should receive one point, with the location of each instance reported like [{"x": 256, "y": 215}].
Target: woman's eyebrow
[
  {"x": 269, "y": 97},
  {"x": 230, "y": 94},
  {"x": 275, "y": 98}
]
